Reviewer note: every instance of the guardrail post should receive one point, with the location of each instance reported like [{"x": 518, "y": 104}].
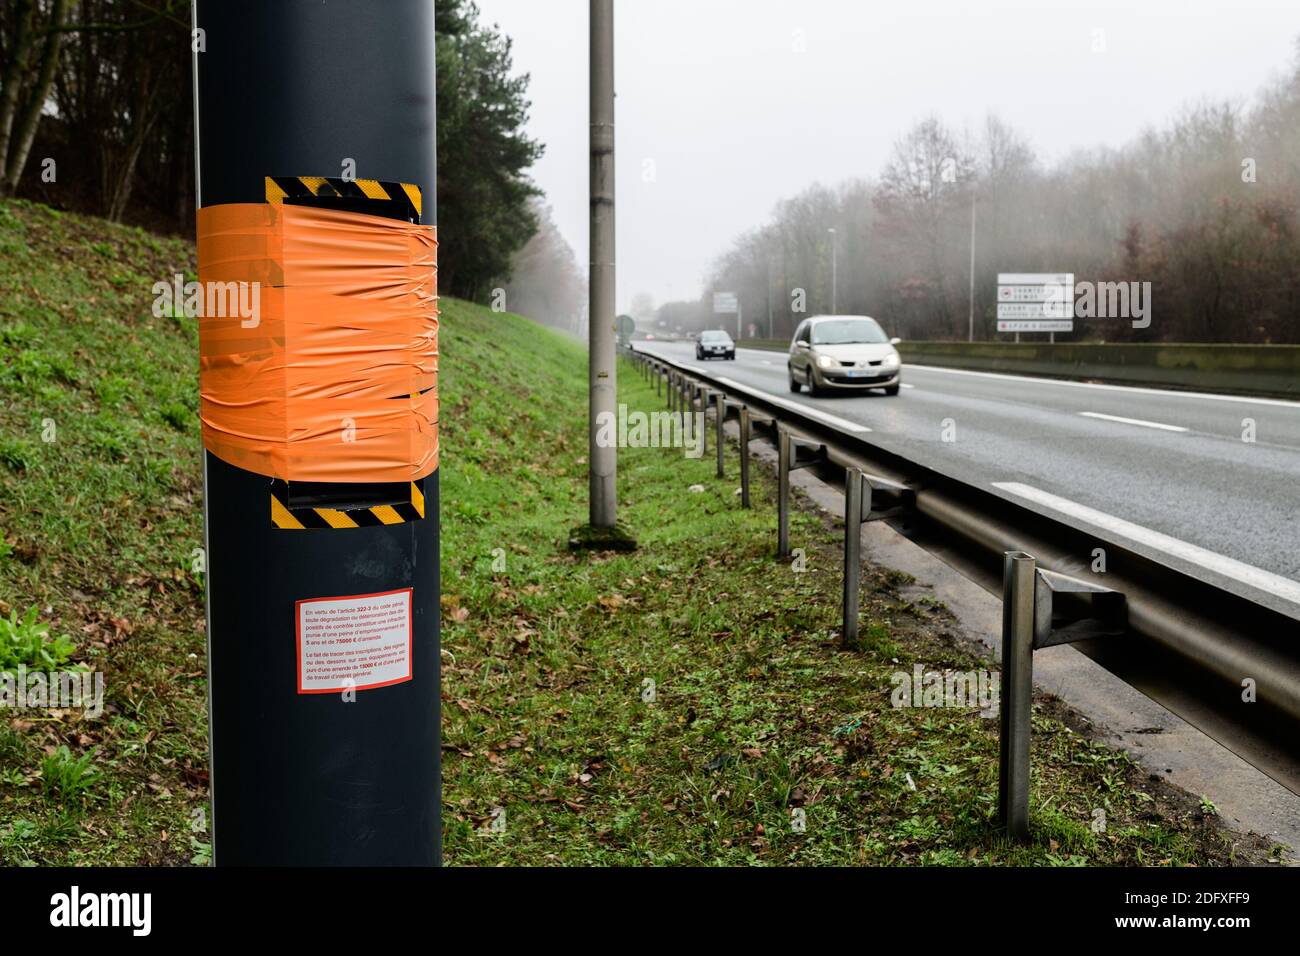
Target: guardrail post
[
  {"x": 1040, "y": 608},
  {"x": 672, "y": 391},
  {"x": 686, "y": 405},
  {"x": 853, "y": 483},
  {"x": 783, "y": 493},
  {"x": 744, "y": 456},
  {"x": 701, "y": 394},
  {"x": 1017, "y": 692},
  {"x": 720, "y": 419},
  {"x": 659, "y": 380}
]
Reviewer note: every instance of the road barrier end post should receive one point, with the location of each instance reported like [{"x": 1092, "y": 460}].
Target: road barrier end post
[
  {"x": 853, "y": 482},
  {"x": 720, "y": 419},
  {"x": 1017, "y": 690},
  {"x": 744, "y": 456},
  {"x": 783, "y": 494}
]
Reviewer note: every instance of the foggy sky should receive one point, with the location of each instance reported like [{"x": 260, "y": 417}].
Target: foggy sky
[{"x": 717, "y": 95}]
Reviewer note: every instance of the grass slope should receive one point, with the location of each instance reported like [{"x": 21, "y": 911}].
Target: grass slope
[{"x": 555, "y": 748}]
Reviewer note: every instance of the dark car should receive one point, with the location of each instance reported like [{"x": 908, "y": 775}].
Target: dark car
[{"x": 715, "y": 344}]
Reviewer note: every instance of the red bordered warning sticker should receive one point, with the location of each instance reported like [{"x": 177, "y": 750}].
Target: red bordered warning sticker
[{"x": 354, "y": 643}]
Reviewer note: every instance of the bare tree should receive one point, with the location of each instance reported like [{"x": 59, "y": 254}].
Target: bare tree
[{"x": 30, "y": 40}]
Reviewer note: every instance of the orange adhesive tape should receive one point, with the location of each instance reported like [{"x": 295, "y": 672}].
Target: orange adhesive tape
[{"x": 335, "y": 376}]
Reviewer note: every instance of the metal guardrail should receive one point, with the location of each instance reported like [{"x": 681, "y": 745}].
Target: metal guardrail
[{"x": 1193, "y": 646}]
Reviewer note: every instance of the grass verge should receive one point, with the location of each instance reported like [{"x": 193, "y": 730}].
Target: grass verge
[{"x": 688, "y": 703}]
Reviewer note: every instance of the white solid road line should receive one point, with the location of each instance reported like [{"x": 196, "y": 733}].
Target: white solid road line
[
  {"x": 1134, "y": 421},
  {"x": 835, "y": 420},
  {"x": 905, "y": 385},
  {"x": 1220, "y": 564},
  {"x": 1167, "y": 392}
]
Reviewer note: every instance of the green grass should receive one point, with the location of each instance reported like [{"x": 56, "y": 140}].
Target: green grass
[
  {"x": 682, "y": 704},
  {"x": 554, "y": 751},
  {"x": 100, "y": 516}
]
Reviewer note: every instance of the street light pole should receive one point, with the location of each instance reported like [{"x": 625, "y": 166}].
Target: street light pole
[
  {"x": 970, "y": 316},
  {"x": 602, "y": 531},
  {"x": 835, "y": 255},
  {"x": 604, "y": 500}
]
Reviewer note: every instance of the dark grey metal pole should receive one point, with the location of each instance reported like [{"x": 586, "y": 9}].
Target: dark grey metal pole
[
  {"x": 782, "y": 493},
  {"x": 744, "y": 456},
  {"x": 1018, "y": 578},
  {"x": 603, "y": 383},
  {"x": 688, "y": 406},
  {"x": 303, "y": 777},
  {"x": 720, "y": 419},
  {"x": 852, "y": 554},
  {"x": 700, "y": 394}
]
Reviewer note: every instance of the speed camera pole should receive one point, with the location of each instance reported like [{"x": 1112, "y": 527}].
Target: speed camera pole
[
  {"x": 322, "y": 586},
  {"x": 602, "y": 530}
]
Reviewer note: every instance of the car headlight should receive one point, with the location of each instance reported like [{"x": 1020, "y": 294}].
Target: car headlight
[
  {"x": 824, "y": 361},
  {"x": 891, "y": 361}
]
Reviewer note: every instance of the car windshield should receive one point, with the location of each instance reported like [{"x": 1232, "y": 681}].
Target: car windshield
[
  {"x": 715, "y": 338},
  {"x": 848, "y": 332}
]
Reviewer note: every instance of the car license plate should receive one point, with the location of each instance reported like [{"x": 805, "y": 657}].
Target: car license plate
[{"x": 856, "y": 374}]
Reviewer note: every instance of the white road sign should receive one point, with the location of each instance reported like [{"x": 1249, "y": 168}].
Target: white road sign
[
  {"x": 1035, "y": 310},
  {"x": 1035, "y": 325},
  {"x": 1036, "y": 302},
  {"x": 725, "y": 303}
]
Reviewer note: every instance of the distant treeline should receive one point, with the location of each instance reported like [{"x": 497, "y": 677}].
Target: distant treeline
[
  {"x": 1205, "y": 209},
  {"x": 546, "y": 282},
  {"x": 96, "y": 116}
]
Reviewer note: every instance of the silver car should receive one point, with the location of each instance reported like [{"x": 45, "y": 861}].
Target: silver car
[{"x": 843, "y": 352}]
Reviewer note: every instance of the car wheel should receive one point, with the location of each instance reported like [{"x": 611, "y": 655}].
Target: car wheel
[
  {"x": 732, "y": 355},
  {"x": 794, "y": 385},
  {"x": 892, "y": 389}
]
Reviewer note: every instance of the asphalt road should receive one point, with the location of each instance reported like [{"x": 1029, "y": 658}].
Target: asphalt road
[{"x": 1167, "y": 471}]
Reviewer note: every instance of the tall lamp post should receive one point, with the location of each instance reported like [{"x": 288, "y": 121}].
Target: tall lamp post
[
  {"x": 970, "y": 316},
  {"x": 602, "y": 530},
  {"x": 835, "y": 255},
  {"x": 604, "y": 501}
]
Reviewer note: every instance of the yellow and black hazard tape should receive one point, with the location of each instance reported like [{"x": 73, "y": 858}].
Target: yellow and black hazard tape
[
  {"x": 322, "y": 190},
  {"x": 392, "y": 200},
  {"x": 283, "y": 516}
]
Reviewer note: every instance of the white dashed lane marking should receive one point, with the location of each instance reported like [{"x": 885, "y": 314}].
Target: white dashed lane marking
[{"x": 1134, "y": 421}]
